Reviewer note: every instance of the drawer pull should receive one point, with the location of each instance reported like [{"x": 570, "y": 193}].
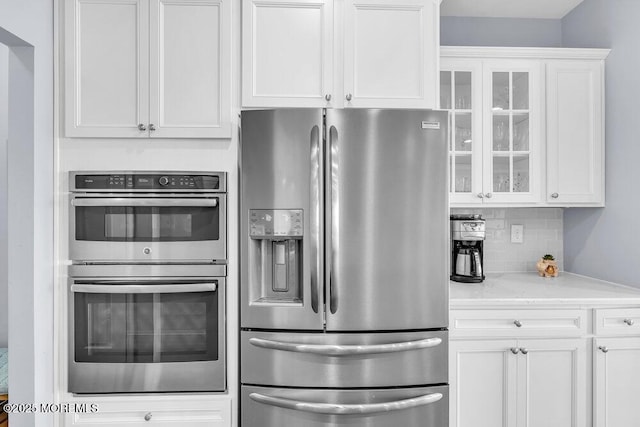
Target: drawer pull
[
  {"x": 603, "y": 349},
  {"x": 517, "y": 323},
  {"x": 524, "y": 351},
  {"x": 515, "y": 350},
  {"x": 148, "y": 416},
  {"x": 346, "y": 409},
  {"x": 346, "y": 350},
  {"x": 629, "y": 321}
]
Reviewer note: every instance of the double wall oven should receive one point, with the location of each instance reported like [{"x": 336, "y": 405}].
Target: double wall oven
[{"x": 146, "y": 292}]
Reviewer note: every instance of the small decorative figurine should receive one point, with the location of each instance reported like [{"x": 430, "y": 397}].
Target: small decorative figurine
[{"x": 547, "y": 266}]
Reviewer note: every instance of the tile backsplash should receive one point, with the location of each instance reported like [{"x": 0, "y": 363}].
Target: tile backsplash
[{"x": 542, "y": 235}]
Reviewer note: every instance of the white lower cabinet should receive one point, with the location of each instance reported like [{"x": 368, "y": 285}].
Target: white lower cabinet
[
  {"x": 512, "y": 382},
  {"x": 617, "y": 382},
  {"x": 132, "y": 413}
]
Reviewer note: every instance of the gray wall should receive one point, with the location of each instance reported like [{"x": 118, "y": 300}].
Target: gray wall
[
  {"x": 604, "y": 243},
  {"x": 4, "y": 117},
  {"x": 461, "y": 31}
]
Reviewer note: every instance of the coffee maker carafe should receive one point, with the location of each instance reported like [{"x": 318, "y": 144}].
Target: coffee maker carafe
[{"x": 467, "y": 237}]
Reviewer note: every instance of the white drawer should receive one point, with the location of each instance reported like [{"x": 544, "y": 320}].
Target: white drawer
[
  {"x": 517, "y": 323},
  {"x": 617, "y": 321},
  {"x": 148, "y": 414}
]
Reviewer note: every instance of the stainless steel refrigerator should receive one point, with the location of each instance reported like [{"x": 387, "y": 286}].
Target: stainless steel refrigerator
[{"x": 344, "y": 268}]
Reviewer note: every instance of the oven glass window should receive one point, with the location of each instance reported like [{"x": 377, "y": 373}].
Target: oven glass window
[
  {"x": 147, "y": 224},
  {"x": 146, "y": 328}
]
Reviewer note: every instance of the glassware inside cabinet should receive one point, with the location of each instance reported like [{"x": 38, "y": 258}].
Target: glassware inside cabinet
[
  {"x": 501, "y": 93},
  {"x": 462, "y": 178}
]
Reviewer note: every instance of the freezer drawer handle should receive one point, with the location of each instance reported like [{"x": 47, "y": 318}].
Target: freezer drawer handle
[
  {"x": 346, "y": 350},
  {"x": 346, "y": 409}
]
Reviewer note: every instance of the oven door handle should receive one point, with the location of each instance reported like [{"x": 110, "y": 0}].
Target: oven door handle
[
  {"x": 146, "y": 202},
  {"x": 144, "y": 289}
]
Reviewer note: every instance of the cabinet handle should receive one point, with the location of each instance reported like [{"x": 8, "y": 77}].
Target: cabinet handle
[
  {"x": 524, "y": 351},
  {"x": 142, "y": 127},
  {"x": 348, "y": 97},
  {"x": 147, "y": 416},
  {"x": 603, "y": 348},
  {"x": 515, "y": 350},
  {"x": 152, "y": 127},
  {"x": 517, "y": 323},
  {"x": 554, "y": 195},
  {"x": 488, "y": 195},
  {"x": 629, "y": 321},
  {"x": 328, "y": 97},
  {"x": 480, "y": 196}
]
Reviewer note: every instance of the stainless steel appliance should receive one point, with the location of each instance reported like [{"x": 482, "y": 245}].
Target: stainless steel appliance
[
  {"x": 163, "y": 217},
  {"x": 467, "y": 238},
  {"x": 146, "y": 328},
  {"x": 344, "y": 268}
]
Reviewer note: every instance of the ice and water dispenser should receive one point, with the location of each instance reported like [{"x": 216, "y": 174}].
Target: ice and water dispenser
[{"x": 275, "y": 254}]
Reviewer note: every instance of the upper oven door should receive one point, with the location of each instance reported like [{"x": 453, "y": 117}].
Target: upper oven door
[{"x": 124, "y": 228}]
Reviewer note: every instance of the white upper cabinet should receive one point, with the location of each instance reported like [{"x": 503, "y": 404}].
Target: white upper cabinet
[
  {"x": 575, "y": 132},
  {"x": 287, "y": 53},
  {"x": 140, "y": 68},
  {"x": 525, "y": 120},
  {"x": 391, "y": 53},
  {"x": 317, "y": 53}
]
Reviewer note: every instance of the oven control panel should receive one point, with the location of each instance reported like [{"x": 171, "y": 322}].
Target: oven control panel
[{"x": 156, "y": 182}]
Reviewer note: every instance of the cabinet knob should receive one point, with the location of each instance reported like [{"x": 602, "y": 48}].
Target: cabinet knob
[
  {"x": 524, "y": 351},
  {"x": 603, "y": 349},
  {"x": 488, "y": 195},
  {"x": 147, "y": 416},
  {"x": 152, "y": 127},
  {"x": 629, "y": 321},
  {"x": 554, "y": 195},
  {"x": 480, "y": 196},
  {"x": 328, "y": 97},
  {"x": 348, "y": 97},
  {"x": 515, "y": 350},
  {"x": 142, "y": 127},
  {"x": 517, "y": 323}
]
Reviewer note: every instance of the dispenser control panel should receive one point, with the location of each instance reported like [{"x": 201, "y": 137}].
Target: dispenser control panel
[{"x": 275, "y": 223}]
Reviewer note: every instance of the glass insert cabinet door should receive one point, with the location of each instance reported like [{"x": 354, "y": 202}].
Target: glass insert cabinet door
[
  {"x": 512, "y": 134},
  {"x": 461, "y": 95}
]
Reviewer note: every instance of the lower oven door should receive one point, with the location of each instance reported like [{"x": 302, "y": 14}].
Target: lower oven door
[
  {"x": 146, "y": 336},
  {"x": 401, "y": 407}
]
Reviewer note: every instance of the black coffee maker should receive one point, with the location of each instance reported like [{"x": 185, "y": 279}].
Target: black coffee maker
[{"x": 467, "y": 238}]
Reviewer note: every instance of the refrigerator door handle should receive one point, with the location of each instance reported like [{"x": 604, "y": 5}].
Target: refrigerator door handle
[
  {"x": 346, "y": 350},
  {"x": 346, "y": 409},
  {"x": 316, "y": 217},
  {"x": 332, "y": 259}
]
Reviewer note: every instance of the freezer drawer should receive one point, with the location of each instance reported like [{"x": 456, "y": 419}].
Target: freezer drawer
[
  {"x": 406, "y": 407},
  {"x": 344, "y": 360}
]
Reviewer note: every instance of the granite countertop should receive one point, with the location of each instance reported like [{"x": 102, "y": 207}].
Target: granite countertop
[{"x": 529, "y": 288}]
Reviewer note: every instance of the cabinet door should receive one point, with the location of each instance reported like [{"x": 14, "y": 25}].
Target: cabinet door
[
  {"x": 575, "y": 133},
  {"x": 616, "y": 382},
  {"x": 391, "y": 53},
  {"x": 482, "y": 383},
  {"x": 552, "y": 389},
  {"x": 287, "y": 53},
  {"x": 513, "y": 131},
  {"x": 190, "y": 80},
  {"x": 106, "y": 70},
  {"x": 461, "y": 95}
]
